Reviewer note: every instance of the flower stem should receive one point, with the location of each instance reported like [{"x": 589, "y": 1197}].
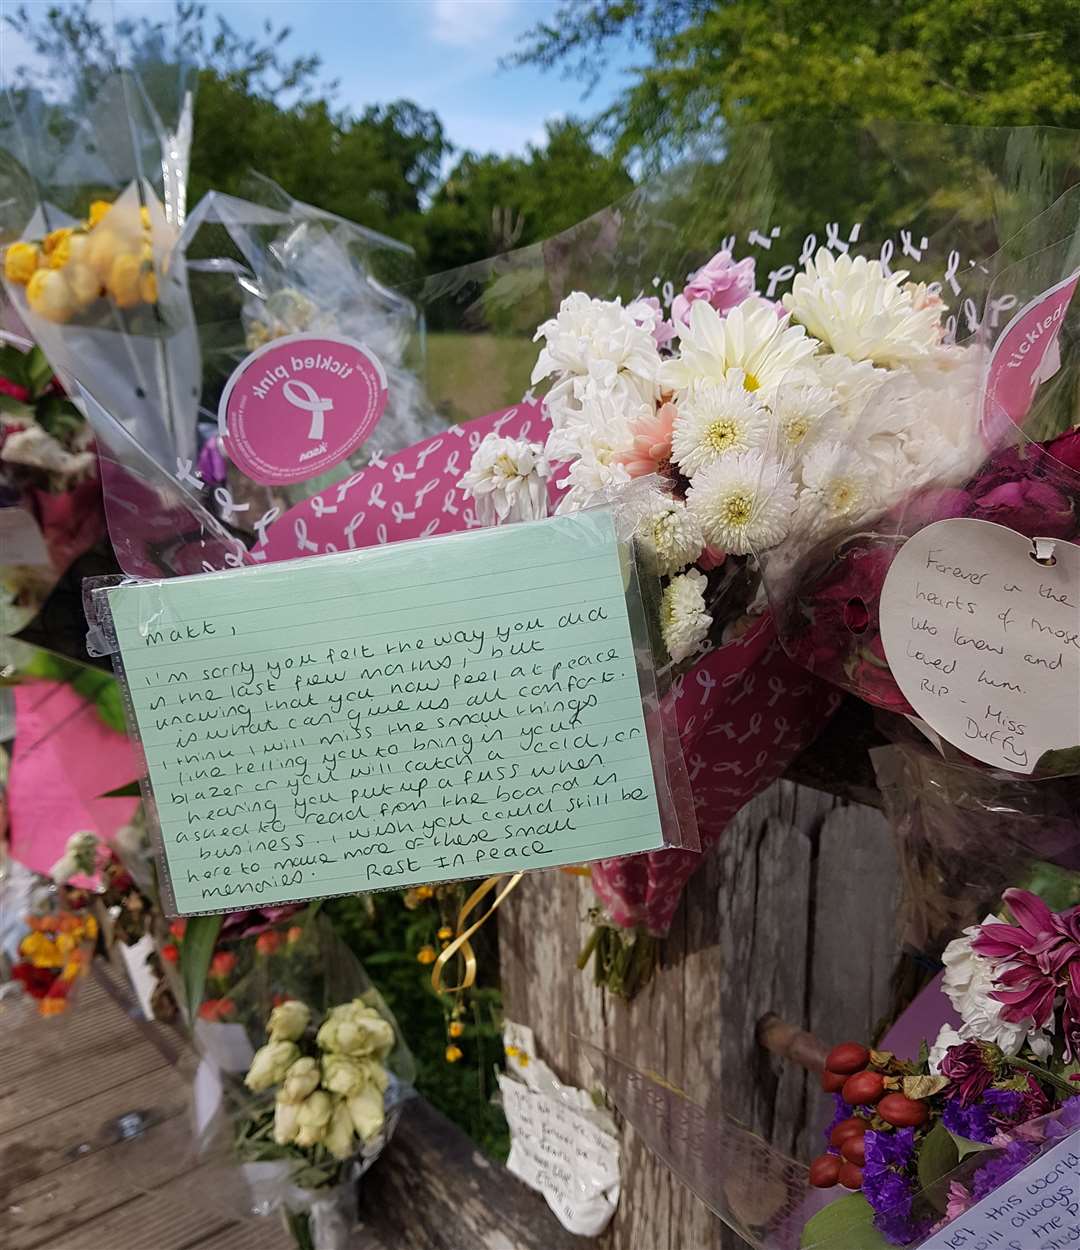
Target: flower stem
[{"x": 1041, "y": 1074}]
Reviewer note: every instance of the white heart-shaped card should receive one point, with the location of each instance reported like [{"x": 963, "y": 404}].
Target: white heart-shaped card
[{"x": 981, "y": 629}]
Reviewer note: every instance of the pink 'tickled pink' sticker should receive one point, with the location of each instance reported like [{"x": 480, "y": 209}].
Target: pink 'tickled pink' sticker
[
  {"x": 1026, "y": 354},
  {"x": 300, "y": 405}
]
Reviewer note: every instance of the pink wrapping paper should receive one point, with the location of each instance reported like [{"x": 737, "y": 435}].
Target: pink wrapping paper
[{"x": 65, "y": 757}]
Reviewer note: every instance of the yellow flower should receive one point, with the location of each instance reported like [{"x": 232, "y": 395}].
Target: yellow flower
[
  {"x": 445, "y": 933},
  {"x": 123, "y": 280},
  {"x": 84, "y": 283},
  {"x": 54, "y": 238},
  {"x": 424, "y": 892},
  {"x": 41, "y": 951},
  {"x": 426, "y": 955},
  {"x": 104, "y": 246},
  {"x": 74, "y": 246},
  {"x": 148, "y": 290},
  {"x": 98, "y": 210},
  {"x": 91, "y": 927},
  {"x": 49, "y": 295},
  {"x": 52, "y": 1006},
  {"x": 144, "y": 216},
  {"x": 72, "y": 969},
  {"x": 453, "y": 1054},
  {"x": 456, "y": 1028},
  {"x": 20, "y": 261}
]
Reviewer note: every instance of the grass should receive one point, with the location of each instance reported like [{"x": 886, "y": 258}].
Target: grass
[{"x": 469, "y": 375}]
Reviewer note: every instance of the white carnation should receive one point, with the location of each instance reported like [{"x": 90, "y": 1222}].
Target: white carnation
[
  {"x": 600, "y": 425},
  {"x": 508, "y": 479},
  {"x": 969, "y": 981},
  {"x": 743, "y": 503},
  {"x": 859, "y": 311},
  {"x": 600, "y": 340},
  {"x": 669, "y": 534},
  {"x": 716, "y": 419},
  {"x": 751, "y": 337},
  {"x": 684, "y": 623}
]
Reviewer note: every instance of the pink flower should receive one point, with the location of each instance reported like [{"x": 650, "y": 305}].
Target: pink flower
[
  {"x": 650, "y": 450},
  {"x": 722, "y": 281},
  {"x": 958, "y": 1202},
  {"x": 663, "y": 331},
  {"x": 7, "y": 387},
  {"x": 1042, "y": 951}
]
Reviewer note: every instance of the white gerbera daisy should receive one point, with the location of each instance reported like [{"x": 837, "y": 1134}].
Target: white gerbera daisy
[
  {"x": 716, "y": 419},
  {"x": 743, "y": 503},
  {"x": 598, "y": 339},
  {"x": 859, "y": 311},
  {"x": 801, "y": 411},
  {"x": 684, "y": 623},
  {"x": 669, "y": 534},
  {"x": 751, "y": 337},
  {"x": 508, "y": 479},
  {"x": 841, "y": 481},
  {"x": 590, "y": 482}
]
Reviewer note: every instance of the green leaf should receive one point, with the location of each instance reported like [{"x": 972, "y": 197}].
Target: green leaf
[
  {"x": 14, "y": 365},
  {"x": 938, "y": 1156},
  {"x": 1059, "y": 761},
  {"x": 130, "y": 791},
  {"x": 39, "y": 372},
  {"x": 847, "y": 1222},
  {"x": 16, "y": 408},
  {"x": 965, "y": 1146},
  {"x": 196, "y": 951}
]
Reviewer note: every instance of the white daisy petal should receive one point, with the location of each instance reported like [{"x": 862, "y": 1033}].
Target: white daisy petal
[
  {"x": 716, "y": 419},
  {"x": 859, "y": 311},
  {"x": 751, "y": 337},
  {"x": 743, "y": 503}
]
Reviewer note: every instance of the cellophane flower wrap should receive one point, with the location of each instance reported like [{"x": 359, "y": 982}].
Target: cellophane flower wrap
[
  {"x": 719, "y": 333},
  {"x": 301, "y": 1080},
  {"x": 930, "y": 424}
]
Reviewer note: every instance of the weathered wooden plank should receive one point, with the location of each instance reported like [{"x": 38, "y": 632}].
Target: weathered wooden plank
[
  {"x": 433, "y": 1190},
  {"x": 768, "y": 924}
]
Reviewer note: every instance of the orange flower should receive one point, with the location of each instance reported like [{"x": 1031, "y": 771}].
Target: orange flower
[
  {"x": 268, "y": 942},
  {"x": 456, "y": 1028},
  {"x": 453, "y": 1054},
  {"x": 178, "y": 928},
  {"x": 294, "y": 934},
  {"x": 222, "y": 964},
  {"x": 51, "y": 1006},
  {"x": 426, "y": 955},
  {"x": 170, "y": 952}
]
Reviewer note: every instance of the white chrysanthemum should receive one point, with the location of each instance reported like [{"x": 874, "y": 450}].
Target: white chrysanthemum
[
  {"x": 743, "y": 503},
  {"x": 508, "y": 479},
  {"x": 716, "y": 419},
  {"x": 969, "y": 981},
  {"x": 597, "y": 339},
  {"x": 599, "y": 424},
  {"x": 840, "y": 481},
  {"x": 801, "y": 411},
  {"x": 591, "y": 482},
  {"x": 684, "y": 623},
  {"x": 859, "y": 311},
  {"x": 751, "y": 337},
  {"x": 669, "y": 534},
  {"x": 854, "y": 383}
]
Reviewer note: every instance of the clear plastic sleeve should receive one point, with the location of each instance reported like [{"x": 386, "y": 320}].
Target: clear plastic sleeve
[{"x": 382, "y": 734}]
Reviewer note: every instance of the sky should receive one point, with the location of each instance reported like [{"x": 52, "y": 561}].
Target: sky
[{"x": 442, "y": 54}]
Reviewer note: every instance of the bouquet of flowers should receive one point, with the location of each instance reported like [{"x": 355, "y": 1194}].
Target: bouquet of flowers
[
  {"x": 302, "y": 1078},
  {"x": 1006, "y": 1078},
  {"x": 56, "y": 952}
]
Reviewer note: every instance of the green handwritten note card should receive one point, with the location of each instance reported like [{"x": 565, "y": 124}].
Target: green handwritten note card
[{"x": 413, "y": 713}]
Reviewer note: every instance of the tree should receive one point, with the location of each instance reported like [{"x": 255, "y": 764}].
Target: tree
[{"x": 718, "y": 62}]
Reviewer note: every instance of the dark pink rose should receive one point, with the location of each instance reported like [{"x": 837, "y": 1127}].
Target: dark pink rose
[
  {"x": 1066, "y": 450},
  {"x": 1028, "y": 505},
  {"x": 7, "y": 387}
]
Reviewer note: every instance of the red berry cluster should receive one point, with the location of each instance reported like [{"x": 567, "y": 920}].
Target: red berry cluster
[{"x": 847, "y": 1074}]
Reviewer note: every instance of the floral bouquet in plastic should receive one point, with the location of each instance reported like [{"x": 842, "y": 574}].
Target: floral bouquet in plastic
[
  {"x": 735, "y": 422},
  {"x": 301, "y": 1081}
]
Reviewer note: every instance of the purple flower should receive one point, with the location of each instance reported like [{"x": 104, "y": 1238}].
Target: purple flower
[
  {"x": 889, "y": 1183},
  {"x": 212, "y": 466},
  {"x": 890, "y": 1150},
  {"x": 1002, "y": 1167},
  {"x": 723, "y": 281},
  {"x": 1066, "y": 1121},
  {"x": 972, "y": 1122},
  {"x": 967, "y": 1069}
]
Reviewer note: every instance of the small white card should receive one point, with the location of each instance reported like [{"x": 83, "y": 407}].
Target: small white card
[
  {"x": 556, "y": 1145},
  {"x": 984, "y": 639},
  {"x": 143, "y": 981},
  {"x": 1039, "y": 1209}
]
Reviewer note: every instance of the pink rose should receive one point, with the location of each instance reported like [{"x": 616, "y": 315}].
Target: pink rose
[
  {"x": 722, "y": 281},
  {"x": 7, "y": 387},
  {"x": 1066, "y": 449}
]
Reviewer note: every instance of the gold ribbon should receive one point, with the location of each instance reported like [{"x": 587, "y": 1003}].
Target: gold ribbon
[{"x": 461, "y": 943}]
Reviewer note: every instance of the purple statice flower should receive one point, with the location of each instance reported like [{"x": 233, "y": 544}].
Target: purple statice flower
[
  {"x": 889, "y": 1184},
  {"x": 1002, "y": 1167},
  {"x": 972, "y": 1122},
  {"x": 1066, "y": 1121}
]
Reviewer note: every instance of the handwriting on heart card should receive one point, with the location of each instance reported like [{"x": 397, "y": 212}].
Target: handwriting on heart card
[{"x": 981, "y": 628}]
